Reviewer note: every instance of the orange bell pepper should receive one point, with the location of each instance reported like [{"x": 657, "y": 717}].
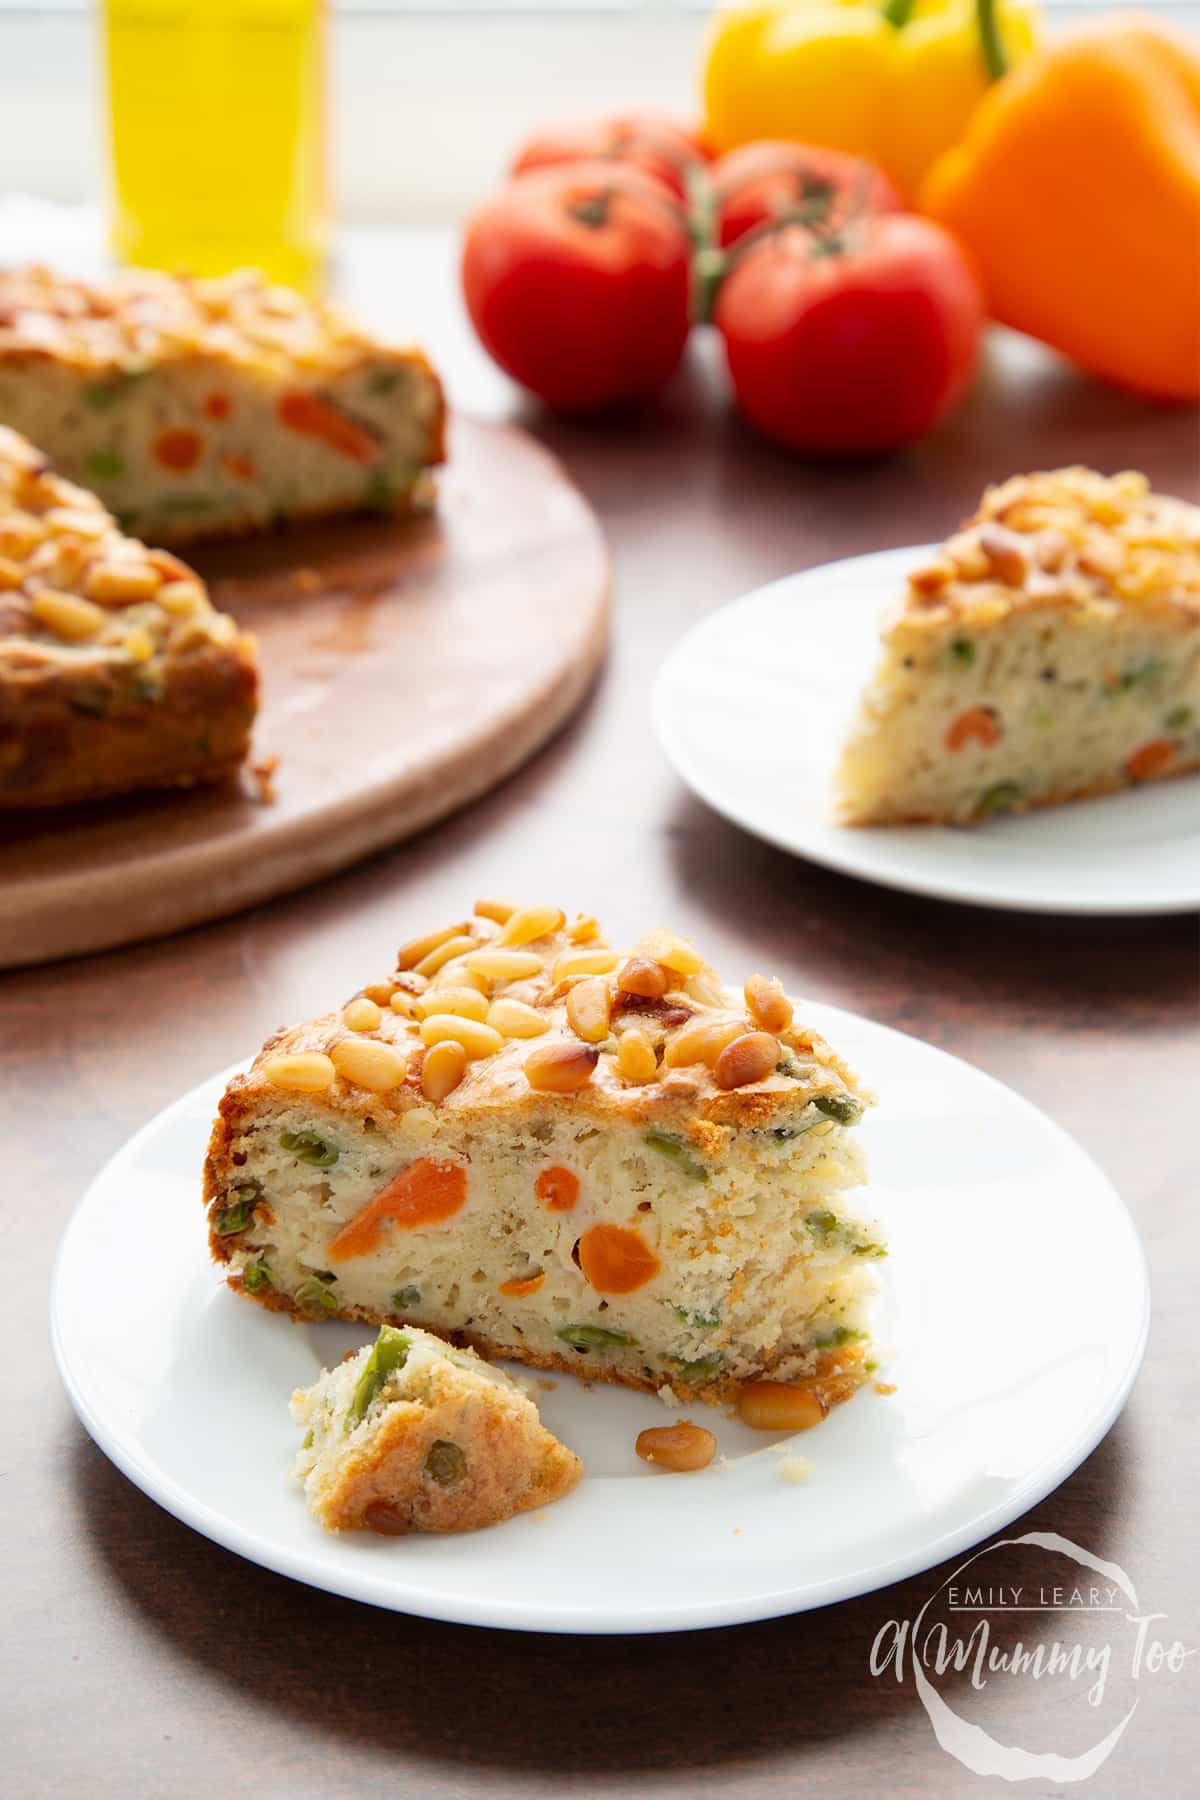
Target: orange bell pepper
[{"x": 1076, "y": 192}]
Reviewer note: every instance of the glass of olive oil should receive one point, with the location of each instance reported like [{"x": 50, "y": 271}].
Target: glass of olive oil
[{"x": 217, "y": 121}]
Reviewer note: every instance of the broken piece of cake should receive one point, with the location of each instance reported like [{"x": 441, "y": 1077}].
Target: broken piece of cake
[
  {"x": 1050, "y": 651},
  {"x": 116, "y": 673},
  {"x": 582, "y": 1158},
  {"x": 414, "y": 1435},
  {"x": 196, "y": 408}
]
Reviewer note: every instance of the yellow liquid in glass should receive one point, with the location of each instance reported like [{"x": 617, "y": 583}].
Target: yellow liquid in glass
[{"x": 218, "y": 135}]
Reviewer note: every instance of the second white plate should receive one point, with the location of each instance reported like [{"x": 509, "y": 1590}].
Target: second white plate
[
  {"x": 1012, "y": 1322},
  {"x": 752, "y": 708}
]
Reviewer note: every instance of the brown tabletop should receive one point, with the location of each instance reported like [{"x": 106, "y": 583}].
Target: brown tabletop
[{"x": 140, "y": 1659}]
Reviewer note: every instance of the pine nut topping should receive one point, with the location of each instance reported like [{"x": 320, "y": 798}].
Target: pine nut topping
[
  {"x": 512, "y": 1018},
  {"x": 498, "y": 910},
  {"x": 751, "y": 1057},
  {"x": 436, "y": 959},
  {"x": 560, "y": 1068},
  {"x": 369, "y": 1064},
  {"x": 476, "y": 1039},
  {"x": 647, "y": 979},
  {"x": 780, "y": 1406},
  {"x": 456, "y": 974},
  {"x": 703, "y": 1041},
  {"x": 120, "y": 584},
  {"x": 66, "y": 615},
  {"x": 444, "y": 1067},
  {"x": 380, "y": 992},
  {"x": 404, "y": 1004},
  {"x": 584, "y": 962},
  {"x": 180, "y": 598},
  {"x": 588, "y": 1004},
  {"x": 303, "y": 1071},
  {"x": 466, "y": 1002},
  {"x": 529, "y": 923},
  {"x": 583, "y": 929},
  {"x": 769, "y": 1005},
  {"x": 362, "y": 1014},
  {"x": 665, "y": 947},
  {"x": 504, "y": 965},
  {"x": 635, "y": 1057},
  {"x": 678, "y": 1448},
  {"x": 417, "y": 949}
]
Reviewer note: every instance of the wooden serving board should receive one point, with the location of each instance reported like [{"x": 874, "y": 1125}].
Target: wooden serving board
[{"x": 407, "y": 668}]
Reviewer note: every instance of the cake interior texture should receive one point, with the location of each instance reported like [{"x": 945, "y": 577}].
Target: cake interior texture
[
  {"x": 413, "y": 1434},
  {"x": 198, "y": 408},
  {"x": 1050, "y": 652},
  {"x": 664, "y": 1233}
]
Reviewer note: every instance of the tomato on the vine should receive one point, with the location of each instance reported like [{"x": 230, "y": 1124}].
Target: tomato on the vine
[
  {"x": 767, "y": 180},
  {"x": 577, "y": 281},
  {"x": 851, "y": 341},
  {"x": 646, "y": 141}
]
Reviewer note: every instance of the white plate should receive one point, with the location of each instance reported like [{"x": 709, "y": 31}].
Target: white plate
[
  {"x": 1014, "y": 1316},
  {"x": 752, "y": 708}
]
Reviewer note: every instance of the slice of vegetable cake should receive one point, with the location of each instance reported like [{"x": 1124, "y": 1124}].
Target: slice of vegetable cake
[
  {"x": 115, "y": 671},
  {"x": 197, "y": 408},
  {"x": 414, "y": 1435},
  {"x": 583, "y": 1159},
  {"x": 1050, "y": 651}
]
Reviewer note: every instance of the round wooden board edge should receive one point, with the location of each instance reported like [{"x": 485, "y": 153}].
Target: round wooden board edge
[{"x": 198, "y": 887}]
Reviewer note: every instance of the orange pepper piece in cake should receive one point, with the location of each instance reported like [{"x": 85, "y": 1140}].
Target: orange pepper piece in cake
[
  {"x": 616, "y": 1259},
  {"x": 424, "y": 1193}
]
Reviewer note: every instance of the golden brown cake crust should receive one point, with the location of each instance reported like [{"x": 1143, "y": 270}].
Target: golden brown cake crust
[{"x": 115, "y": 672}]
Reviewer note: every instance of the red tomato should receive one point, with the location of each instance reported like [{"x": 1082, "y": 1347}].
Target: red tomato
[
  {"x": 577, "y": 281},
  {"x": 649, "y": 142},
  {"x": 758, "y": 181},
  {"x": 854, "y": 345}
]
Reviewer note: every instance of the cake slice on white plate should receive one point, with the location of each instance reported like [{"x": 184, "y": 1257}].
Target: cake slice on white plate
[
  {"x": 586, "y": 1159},
  {"x": 1050, "y": 651}
]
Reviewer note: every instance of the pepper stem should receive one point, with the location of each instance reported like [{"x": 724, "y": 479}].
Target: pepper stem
[
  {"x": 990, "y": 41},
  {"x": 898, "y": 12}
]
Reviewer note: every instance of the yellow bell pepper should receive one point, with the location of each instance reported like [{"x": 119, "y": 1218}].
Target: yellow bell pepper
[{"x": 896, "y": 83}]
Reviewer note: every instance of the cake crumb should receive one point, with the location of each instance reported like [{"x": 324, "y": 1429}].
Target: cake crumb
[
  {"x": 262, "y": 773},
  {"x": 668, "y": 1396},
  {"x": 885, "y": 1387},
  {"x": 795, "y": 1469},
  {"x": 547, "y": 1387}
]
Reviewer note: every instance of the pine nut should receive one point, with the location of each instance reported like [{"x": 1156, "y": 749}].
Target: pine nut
[
  {"x": 583, "y": 929},
  {"x": 707, "y": 987},
  {"x": 665, "y": 947},
  {"x": 769, "y": 1006},
  {"x": 476, "y": 1038},
  {"x": 780, "y": 1406},
  {"x": 467, "y": 1003},
  {"x": 703, "y": 1041},
  {"x": 679, "y": 1448},
  {"x": 139, "y": 645},
  {"x": 512, "y": 1018},
  {"x": 531, "y": 922},
  {"x": 369, "y": 1064},
  {"x": 456, "y": 974},
  {"x": 181, "y": 598},
  {"x": 751, "y": 1057},
  {"x": 1005, "y": 554},
  {"x": 12, "y": 574},
  {"x": 504, "y": 965},
  {"x": 649, "y": 980},
  {"x": 417, "y": 949},
  {"x": 444, "y": 1067},
  {"x": 498, "y": 910},
  {"x": 588, "y": 1004},
  {"x": 301, "y": 1071},
  {"x": 361, "y": 1015},
  {"x": 436, "y": 959},
  {"x": 404, "y": 1004},
  {"x": 584, "y": 962},
  {"x": 66, "y": 615},
  {"x": 121, "y": 584},
  {"x": 560, "y": 1068},
  {"x": 380, "y": 992},
  {"x": 635, "y": 1057}
]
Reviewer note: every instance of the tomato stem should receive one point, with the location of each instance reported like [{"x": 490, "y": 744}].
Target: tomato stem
[
  {"x": 898, "y": 12},
  {"x": 593, "y": 211}
]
